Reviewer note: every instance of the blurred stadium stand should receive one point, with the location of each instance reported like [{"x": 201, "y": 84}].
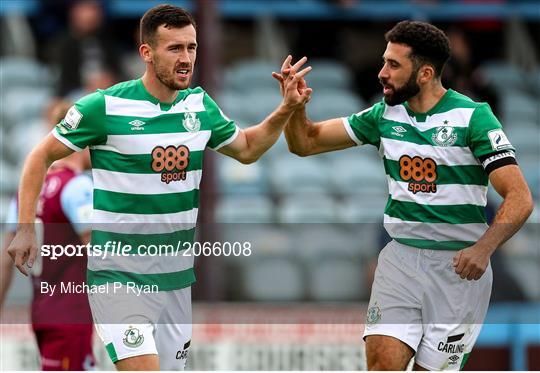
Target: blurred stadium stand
[
  {"x": 282, "y": 188},
  {"x": 298, "y": 9},
  {"x": 314, "y": 222}
]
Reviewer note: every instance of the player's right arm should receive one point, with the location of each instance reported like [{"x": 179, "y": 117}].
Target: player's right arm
[
  {"x": 83, "y": 125},
  {"x": 306, "y": 137},
  {"x": 23, "y": 247}
]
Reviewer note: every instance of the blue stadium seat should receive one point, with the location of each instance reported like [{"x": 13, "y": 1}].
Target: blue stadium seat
[
  {"x": 328, "y": 104},
  {"x": 245, "y": 209},
  {"x": 10, "y": 177},
  {"x": 23, "y": 72},
  {"x": 5, "y": 201},
  {"x": 22, "y": 137},
  {"x": 504, "y": 76},
  {"x": 250, "y": 75},
  {"x": 249, "y": 107},
  {"x": 360, "y": 174},
  {"x": 525, "y": 270},
  {"x": 335, "y": 279},
  {"x": 519, "y": 107},
  {"x": 265, "y": 239},
  {"x": 25, "y": 103},
  {"x": 368, "y": 237},
  {"x": 531, "y": 171},
  {"x": 291, "y": 174},
  {"x": 329, "y": 74},
  {"x": 272, "y": 279},
  {"x": 307, "y": 208},
  {"x": 238, "y": 178},
  {"x": 363, "y": 208},
  {"x": 309, "y": 241},
  {"x": 233, "y": 106},
  {"x": 525, "y": 138}
]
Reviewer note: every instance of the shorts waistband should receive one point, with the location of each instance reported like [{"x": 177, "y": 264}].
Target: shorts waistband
[{"x": 429, "y": 253}]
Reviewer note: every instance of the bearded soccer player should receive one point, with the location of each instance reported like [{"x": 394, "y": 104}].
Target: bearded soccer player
[
  {"x": 433, "y": 280},
  {"x": 146, "y": 139},
  {"x": 61, "y": 322}
]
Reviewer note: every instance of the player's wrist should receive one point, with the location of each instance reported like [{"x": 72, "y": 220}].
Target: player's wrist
[
  {"x": 485, "y": 248},
  {"x": 26, "y": 228},
  {"x": 287, "y": 107}
]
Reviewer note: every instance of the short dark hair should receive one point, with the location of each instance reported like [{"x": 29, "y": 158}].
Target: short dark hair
[
  {"x": 168, "y": 15},
  {"x": 429, "y": 44}
]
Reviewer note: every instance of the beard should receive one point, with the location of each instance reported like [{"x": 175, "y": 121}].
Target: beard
[
  {"x": 403, "y": 93},
  {"x": 167, "y": 77}
]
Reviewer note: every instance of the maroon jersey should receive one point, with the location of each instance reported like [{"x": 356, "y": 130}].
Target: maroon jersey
[{"x": 63, "y": 307}]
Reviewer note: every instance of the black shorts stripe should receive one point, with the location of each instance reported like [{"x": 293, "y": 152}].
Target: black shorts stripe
[{"x": 454, "y": 338}]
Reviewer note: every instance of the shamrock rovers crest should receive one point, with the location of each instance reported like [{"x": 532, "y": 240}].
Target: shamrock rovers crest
[
  {"x": 373, "y": 314},
  {"x": 132, "y": 337},
  {"x": 444, "y": 136},
  {"x": 191, "y": 122}
]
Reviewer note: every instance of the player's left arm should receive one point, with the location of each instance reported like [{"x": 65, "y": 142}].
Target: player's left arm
[
  {"x": 493, "y": 149},
  {"x": 253, "y": 142},
  {"x": 507, "y": 179},
  {"x": 516, "y": 207}
]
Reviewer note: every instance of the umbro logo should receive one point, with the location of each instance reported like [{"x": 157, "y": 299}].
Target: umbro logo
[
  {"x": 398, "y": 131},
  {"x": 137, "y": 125},
  {"x": 453, "y": 360}
]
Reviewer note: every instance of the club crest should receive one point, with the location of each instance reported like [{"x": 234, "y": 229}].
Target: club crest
[
  {"x": 373, "y": 315},
  {"x": 445, "y": 136},
  {"x": 132, "y": 337},
  {"x": 191, "y": 123}
]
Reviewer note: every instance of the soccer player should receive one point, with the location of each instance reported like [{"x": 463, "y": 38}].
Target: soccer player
[
  {"x": 61, "y": 322},
  {"x": 147, "y": 138},
  {"x": 433, "y": 281}
]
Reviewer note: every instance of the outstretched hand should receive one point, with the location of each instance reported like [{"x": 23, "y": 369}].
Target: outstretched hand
[
  {"x": 292, "y": 84},
  {"x": 285, "y": 72}
]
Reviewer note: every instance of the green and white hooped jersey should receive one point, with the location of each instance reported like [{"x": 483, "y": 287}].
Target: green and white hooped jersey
[
  {"x": 436, "y": 165},
  {"x": 147, "y": 166}
]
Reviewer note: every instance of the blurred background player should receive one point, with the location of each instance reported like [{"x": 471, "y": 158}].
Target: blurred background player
[
  {"x": 86, "y": 49},
  {"x": 61, "y": 322}
]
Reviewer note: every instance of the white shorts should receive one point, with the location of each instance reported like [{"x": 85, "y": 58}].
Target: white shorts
[
  {"x": 419, "y": 299},
  {"x": 157, "y": 323}
]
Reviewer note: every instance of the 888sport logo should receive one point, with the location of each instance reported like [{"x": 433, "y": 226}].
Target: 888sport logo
[
  {"x": 421, "y": 173},
  {"x": 171, "y": 161}
]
